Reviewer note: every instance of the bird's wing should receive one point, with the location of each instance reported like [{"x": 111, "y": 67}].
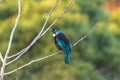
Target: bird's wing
[
  {"x": 59, "y": 43},
  {"x": 62, "y": 41}
]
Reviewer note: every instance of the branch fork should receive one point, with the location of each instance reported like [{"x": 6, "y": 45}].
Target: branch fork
[{"x": 42, "y": 32}]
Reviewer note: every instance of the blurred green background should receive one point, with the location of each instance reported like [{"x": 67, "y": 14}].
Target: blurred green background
[{"x": 95, "y": 58}]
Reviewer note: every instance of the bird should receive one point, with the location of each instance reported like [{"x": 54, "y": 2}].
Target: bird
[{"x": 62, "y": 43}]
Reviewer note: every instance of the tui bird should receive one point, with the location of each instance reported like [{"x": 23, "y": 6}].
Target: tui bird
[{"x": 62, "y": 43}]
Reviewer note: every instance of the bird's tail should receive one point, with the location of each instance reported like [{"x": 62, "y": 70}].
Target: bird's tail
[{"x": 67, "y": 57}]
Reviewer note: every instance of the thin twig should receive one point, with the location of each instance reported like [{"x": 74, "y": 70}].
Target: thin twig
[
  {"x": 51, "y": 11},
  {"x": 1, "y": 1},
  {"x": 38, "y": 36},
  {"x": 60, "y": 16},
  {"x": 1, "y": 57},
  {"x": 39, "y": 59},
  {"x": 23, "y": 51},
  {"x": 31, "y": 63},
  {"x": 85, "y": 35},
  {"x": 13, "y": 30},
  {"x": 10, "y": 41}
]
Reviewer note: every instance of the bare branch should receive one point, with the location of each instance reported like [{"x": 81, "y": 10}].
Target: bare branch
[
  {"x": 85, "y": 35},
  {"x": 38, "y": 36},
  {"x": 52, "y": 9},
  {"x": 13, "y": 30},
  {"x": 22, "y": 51},
  {"x": 61, "y": 15},
  {"x": 1, "y": 57},
  {"x": 1, "y": 1},
  {"x": 10, "y": 41},
  {"x": 39, "y": 59}
]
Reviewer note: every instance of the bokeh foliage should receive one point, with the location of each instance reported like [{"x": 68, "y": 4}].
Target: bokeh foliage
[{"x": 95, "y": 58}]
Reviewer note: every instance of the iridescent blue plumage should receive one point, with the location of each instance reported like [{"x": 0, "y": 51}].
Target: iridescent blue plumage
[{"x": 62, "y": 43}]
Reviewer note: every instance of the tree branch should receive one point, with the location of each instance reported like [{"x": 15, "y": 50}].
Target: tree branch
[
  {"x": 10, "y": 42},
  {"x": 38, "y": 36},
  {"x": 39, "y": 59},
  {"x": 85, "y": 35},
  {"x": 1, "y": 1},
  {"x": 1, "y": 57},
  {"x": 13, "y": 30},
  {"x": 51, "y": 11},
  {"x": 60, "y": 16}
]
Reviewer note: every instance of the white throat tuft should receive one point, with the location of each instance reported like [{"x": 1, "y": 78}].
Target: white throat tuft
[{"x": 53, "y": 35}]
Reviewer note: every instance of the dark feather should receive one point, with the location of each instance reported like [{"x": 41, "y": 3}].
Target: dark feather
[
  {"x": 63, "y": 44},
  {"x": 63, "y": 38}
]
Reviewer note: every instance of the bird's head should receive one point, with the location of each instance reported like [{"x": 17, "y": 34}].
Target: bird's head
[{"x": 54, "y": 29}]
